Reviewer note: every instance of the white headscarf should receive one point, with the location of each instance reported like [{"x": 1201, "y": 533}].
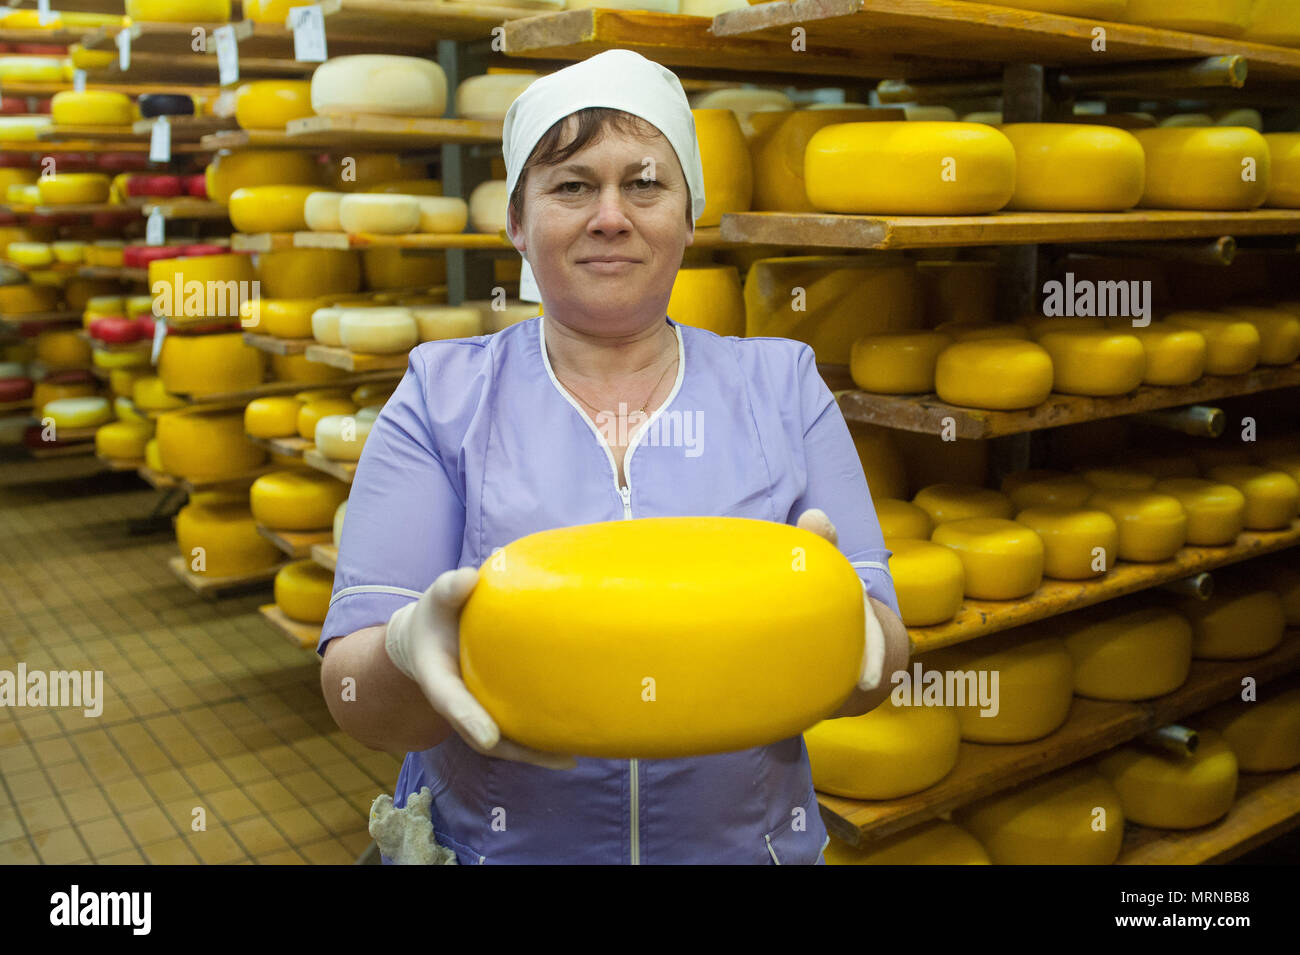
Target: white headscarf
[{"x": 618, "y": 79}]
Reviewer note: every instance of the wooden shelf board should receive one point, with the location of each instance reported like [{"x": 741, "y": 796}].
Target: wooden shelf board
[
  {"x": 186, "y": 209},
  {"x": 978, "y": 618},
  {"x": 353, "y": 361},
  {"x": 274, "y": 41},
  {"x": 113, "y": 7},
  {"x": 249, "y": 139},
  {"x": 19, "y": 319},
  {"x": 327, "y": 555},
  {"x": 1001, "y": 228},
  {"x": 20, "y": 88},
  {"x": 72, "y": 209},
  {"x": 209, "y": 587},
  {"x": 290, "y": 447},
  {"x": 1093, "y": 726},
  {"x": 277, "y": 346},
  {"x": 65, "y": 450},
  {"x": 59, "y": 37},
  {"x": 190, "y": 485},
  {"x": 261, "y": 241},
  {"x": 425, "y": 21},
  {"x": 157, "y": 479},
  {"x": 272, "y": 388},
  {"x": 121, "y": 464},
  {"x": 341, "y": 470},
  {"x": 1267, "y": 805},
  {"x": 120, "y": 272},
  {"x": 389, "y": 132},
  {"x": 302, "y": 635},
  {"x": 189, "y": 68},
  {"x": 187, "y": 129},
  {"x": 362, "y": 240},
  {"x": 124, "y": 133},
  {"x": 297, "y": 544},
  {"x": 8, "y": 406},
  {"x": 927, "y": 414}
]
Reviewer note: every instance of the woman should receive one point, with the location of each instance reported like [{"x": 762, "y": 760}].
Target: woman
[{"x": 554, "y": 422}]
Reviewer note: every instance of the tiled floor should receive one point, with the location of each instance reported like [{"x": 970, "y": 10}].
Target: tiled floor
[{"x": 214, "y": 744}]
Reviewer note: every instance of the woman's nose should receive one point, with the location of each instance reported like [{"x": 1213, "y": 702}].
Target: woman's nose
[{"x": 609, "y": 215}]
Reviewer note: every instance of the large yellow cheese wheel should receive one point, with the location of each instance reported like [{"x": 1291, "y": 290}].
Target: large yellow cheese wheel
[
  {"x": 1119, "y": 479},
  {"x": 311, "y": 412},
  {"x": 271, "y": 104},
  {"x": 91, "y": 108},
  {"x": 1096, "y": 9},
  {"x": 918, "y": 168},
  {"x": 1033, "y": 691},
  {"x": 148, "y": 394},
  {"x": 62, "y": 348},
  {"x": 152, "y": 456},
  {"x": 306, "y": 273},
  {"x": 881, "y": 462},
  {"x": 30, "y": 254},
  {"x": 70, "y": 188},
  {"x": 1264, "y": 735},
  {"x": 202, "y": 286},
  {"x": 220, "y": 539},
  {"x": 387, "y": 268},
  {"x": 1282, "y": 578},
  {"x": 1066, "y": 167},
  {"x": 28, "y": 299},
  {"x": 1132, "y": 655},
  {"x": 728, "y": 169},
  {"x": 248, "y": 168},
  {"x": 1236, "y": 623},
  {"x": 1170, "y": 791},
  {"x": 1003, "y": 560},
  {"x": 777, "y": 149},
  {"x": 206, "y": 445},
  {"x": 1095, "y": 363},
  {"x": 1152, "y": 527},
  {"x": 745, "y": 103},
  {"x": 302, "y": 591},
  {"x": 1216, "y": 512},
  {"x": 1279, "y": 333},
  {"x": 589, "y": 695},
  {"x": 78, "y": 412},
  {"x": 1276, "y": 22},
  {"x": 929, "y": 580},
  {"x": 1216, "y": 168},
  {"x": 1272, "y": 497},
  {"x": 109, "y": 360},
  {"x": 1212, "y": 17},
  {"x": 199, "y": 365},
  {"x": 890, "y": 752},
  {"x": 296, "y": 500},
  {"x": 269, "y": 208},
  {"x": 181, "y": 11},
  {"x": 298, "y": 368},
  {"x": 830, "y": 301},
  {"x": 708, "y": 297},
  {"x": 1174, "y": 356},
  {"x": 1069, "y": 818},
  {"x": 279, "y": 317},
  {"x": 897, "y": 363},
  {"x": 931, "y": 843},
  {"x": 121, "y": 381},
  {"x": 953, "y": 502},
  {"x": 274, "y": 12},
  {"x": 272, "y": 417},
  {"x": 1038, "y": 487},
  {"x": 379, "y": 83},
  {"x": 45, "y": 392},
  {"x": 1233, "y": 345},
  {"x": 1078, "y": 543},
  {"x": 902, "y": 518},
  {"x": 487, "y": 206},
  {"x": 1284, "y": 185},
  {"x": 1000, "y": 374}
]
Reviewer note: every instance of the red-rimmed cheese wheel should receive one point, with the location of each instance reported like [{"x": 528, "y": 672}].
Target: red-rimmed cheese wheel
[
  {"x": 15, "y": 389},
  {"x": 196, "y": 186},
  {"x": 163, "y": 187},
  {"x": 114, "y": 330}
]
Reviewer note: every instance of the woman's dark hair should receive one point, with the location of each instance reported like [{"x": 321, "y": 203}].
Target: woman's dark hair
[{"x": 593, "y": 123}]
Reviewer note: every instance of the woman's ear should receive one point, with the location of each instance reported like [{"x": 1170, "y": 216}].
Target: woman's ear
[{"x": 515, "y": 230}]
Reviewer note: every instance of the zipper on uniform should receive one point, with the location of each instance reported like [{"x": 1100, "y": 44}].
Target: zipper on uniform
[
  {"x": 636, "y": 813},
  {"x": 626, "y": 494}
]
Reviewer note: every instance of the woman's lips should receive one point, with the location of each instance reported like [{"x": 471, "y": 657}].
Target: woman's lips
[{"x": 622, "y": 265}]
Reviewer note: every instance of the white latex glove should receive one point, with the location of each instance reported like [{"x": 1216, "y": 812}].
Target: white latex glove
[
  {"x": 423, "y": 641},
  {"x": 873, "y": 656}
]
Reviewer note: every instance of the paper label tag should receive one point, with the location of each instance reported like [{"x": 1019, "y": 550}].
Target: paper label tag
[
  {"x": 308, "y": 26},
  {"x": 123, "y": 40},
  {"x": 153, "y": 230},
  {"x": 160, "y": 142},
  {"x": 79, "y": 81},
  {"x": 43, "y": 14},
  {"x": 159, "y": 334},
  {"x": 227, "y": 54}
]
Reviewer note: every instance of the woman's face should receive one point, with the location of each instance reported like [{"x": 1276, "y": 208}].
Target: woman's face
[{"x": 604, "y": 232}]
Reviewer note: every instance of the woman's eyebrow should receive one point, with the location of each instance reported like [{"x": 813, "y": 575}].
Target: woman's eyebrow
[{"x": 581, "y": 170}]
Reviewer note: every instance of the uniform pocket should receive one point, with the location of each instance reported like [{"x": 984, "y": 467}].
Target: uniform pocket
[
  {"x": 801, "y": 839},
  {"x": 465, "y": 855}
]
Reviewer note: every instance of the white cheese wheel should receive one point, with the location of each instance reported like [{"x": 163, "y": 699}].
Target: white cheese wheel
[
  {"x": 437, "y": 322},
  {"x": 325, "y": 326},
  {"x": 489, "y": 97},
  {"x": 487, "y": 206},
  {"x": 341, "y": 437},
  {"x": 379, "y": 83},
  {"x": 377, "y": 330},
  {"x": 369, "y": 413},
  {"x": 441, "y": 214},
  {"x": 321, "y": 210},
  {"x": 379, "y": 213}
]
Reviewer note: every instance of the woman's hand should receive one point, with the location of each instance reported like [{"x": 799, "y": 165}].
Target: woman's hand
[{"x": 423, "y": 641}]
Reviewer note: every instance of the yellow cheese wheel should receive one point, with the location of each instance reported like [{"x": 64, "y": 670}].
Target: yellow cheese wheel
[
  {"x": 248, "y": 168},
  {"x": 588, "y": 696},
  {"x": 109, "y": 360},
  {"x": 488, "y": 97},
  {"x": 1276, "y": 22},
  {"x": 1233, "y": 345},
  {"x": 902, "y": 518},
  {"x": 708, "y": 297},
  {"x": 91, "y": 108},
  {"x": 220, "y": 539},
  {"x": 1132, "y": 655},
  {"x": 379, "y": 83},
  {"x": 62, "y": 349},
  {"x": 206, "y": 445},
  {"x": 1279, "y": 333},
  {"x": 302, "y": 591},
  {"x": 387, "y": 268},
  {"x": 728, "y": 169},
  {"x": 379, "y": 213},
  {"x": 279, "y": 317},
  {"x": 777, "y": 150},
  {"x": 997, "y": 373},
  {"x": 298, "y": 368},
  {"x": 30, "y": 254},
  {"x": 274, "y": 12},
  {"x": 1284, "y": 580},
  {"x": 1067, "y": 167},
  {"x": 1272, "y": 497},
  {"x": 1033, "y": 691},
  {"x": 973, "y": 331},
  {"x": 28, "y": 299},
  {"x": 953, "y": 502},
  {"x": 918, "y": 168},
  {"x": 200, "y": 365},
  {"x": 181, "y": 11},
  {"x": 830, "y": 302},
  {"x": 1119, "y": 479},
  {"x": 305, "y": 273},
  {"x": 487, "y": 206},
  {"x": 1037, "y": 487},
  {"x": 299, "y": 500},
  {"x": 1003, "y": 560},
  {"x": 1094, "y": 363},
  {"x": 931, "y": 843},
  {"x": 1152, "y": 527},
  {"x": 341, "y": 437},
  {"x": 69, "y": 188},
  {"x": 1170, "y": 791},
  {"x": 441, "y": 214},
  {"x": 881, "y": 462},
  {"x": 72, "y": 413},
  {"x": 1217, "y": 168},
  {"x": 897, "y": 363},
  {"x": 1212, "y": 17},
  {"x": 1078, "y": 543},
  {"x": 269, "y": 208},
  {"x": 929, "y": 580},
  {"x": 271, "y": 104},
  {"x": 1236, "y": 623},
  {"x": 148, "y": 394},
  {"x": 1284, "y": 185},
  {"x": 1174, "y": 356},
  {"x": 1264, "y": 735},
  {"x": 275, "y": 417},
  {"x": 202, "y": 286},
  {"x": 1216, "y": 512},
  {"x": 121, "y": 381},
  {"x": 1095, "y": 9},
  {"x": 310, "y": 412},
  {"x": 69, "y": 253},
  {"x": 152, "y": 456},
  {"x": 890, "y": 752},
  {"x": 44, "y": 392}
]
